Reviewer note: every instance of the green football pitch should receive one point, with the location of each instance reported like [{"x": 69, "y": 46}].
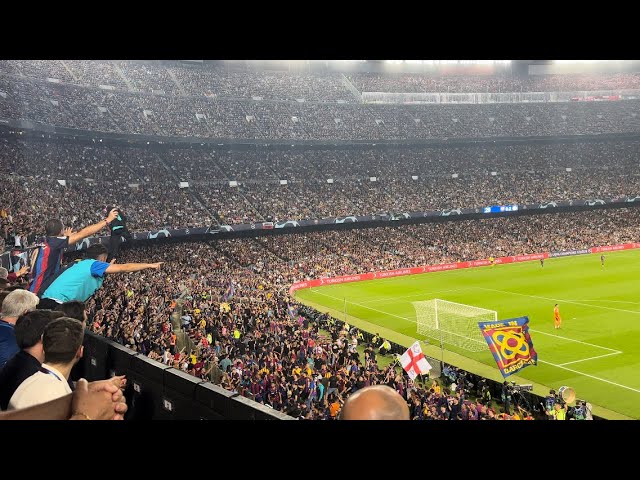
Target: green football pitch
[{"x": 596, "y": 351}]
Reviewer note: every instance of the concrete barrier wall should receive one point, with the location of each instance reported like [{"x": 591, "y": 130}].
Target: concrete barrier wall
[{"x": 156, "y": 391}]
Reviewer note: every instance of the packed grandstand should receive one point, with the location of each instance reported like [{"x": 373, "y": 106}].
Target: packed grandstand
[{"x": 431, "y": 157}]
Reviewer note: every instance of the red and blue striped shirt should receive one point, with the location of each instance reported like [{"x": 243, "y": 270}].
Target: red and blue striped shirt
[{"x": 47, "y": 265}]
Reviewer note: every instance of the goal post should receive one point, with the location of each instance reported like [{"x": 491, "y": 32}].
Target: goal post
[{"x": 453, "y": 323}]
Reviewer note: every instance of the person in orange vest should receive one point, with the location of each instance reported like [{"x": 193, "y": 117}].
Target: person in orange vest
[
  {"x": 172, "y": 342},
  {"x": 556, "y": 316}
]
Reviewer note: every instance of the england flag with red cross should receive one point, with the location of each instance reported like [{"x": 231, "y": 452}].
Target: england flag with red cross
[{"x": 414, "y": 362}]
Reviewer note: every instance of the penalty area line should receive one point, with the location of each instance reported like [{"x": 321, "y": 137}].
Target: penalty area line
[
  {"x": 591, "y": 376},
  {"x": 590, "y": 358}
]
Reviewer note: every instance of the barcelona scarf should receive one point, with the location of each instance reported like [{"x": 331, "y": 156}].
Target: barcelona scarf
[{"x": 510, "y": 344}]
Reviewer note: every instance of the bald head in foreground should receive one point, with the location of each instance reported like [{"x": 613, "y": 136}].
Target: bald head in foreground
[{"x": 377, "y": 402}]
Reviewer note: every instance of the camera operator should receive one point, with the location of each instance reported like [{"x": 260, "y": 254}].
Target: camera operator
[
  {"x": 507, "y": 391},
  {"x": 549, "y": 403},
  {"x": 577, "y": 412},
  {"x": 450, "y": 373},
  {"x": 582, "y": 411},
  {"x": 462, "y": 381},
  {"x": 587, "y": 410},
  {"x": 484, "y": 392}
]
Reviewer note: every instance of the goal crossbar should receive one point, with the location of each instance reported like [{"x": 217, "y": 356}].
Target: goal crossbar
[{"x": 453, "y": 323}]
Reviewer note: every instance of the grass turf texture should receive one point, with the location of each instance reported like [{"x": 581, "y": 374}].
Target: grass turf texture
[{"x": 596, "y": 351}]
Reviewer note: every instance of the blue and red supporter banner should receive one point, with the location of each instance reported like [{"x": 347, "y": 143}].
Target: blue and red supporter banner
[{"x": 510, "y": 343}]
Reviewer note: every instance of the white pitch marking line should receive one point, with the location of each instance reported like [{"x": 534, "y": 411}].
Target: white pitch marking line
[
  {"x": 386, "y": 299},
  {"x": 610, "y": 301},
  {"x": 577, "y": 341},
  {"x": 591, "y": 376},
  {"x": 368, "y": 308},
  {"x": 559, "y": 300},
  {"x": 590, "y": 358},
  {"x": 539, "y": 361},
  {"x": 558, "y": 336}
]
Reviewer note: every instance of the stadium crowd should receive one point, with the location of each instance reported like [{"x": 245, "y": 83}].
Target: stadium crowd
[
  {"x": 407, "y": 83},
  {"x": 240, "y": 81},
  {"x": 100, "y": 110},
  {"x": 147, "y": 181},
  {"x": 244, "y": 336},
  {"x": 221, "y": 310}
]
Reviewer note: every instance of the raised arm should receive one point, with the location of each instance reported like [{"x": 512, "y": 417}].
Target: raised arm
[
  {"x": 92, "y": 229},
  {"x": 131, "y": 267}
]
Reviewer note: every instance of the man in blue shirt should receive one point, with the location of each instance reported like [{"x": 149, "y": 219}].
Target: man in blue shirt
[
  {"x": 82, "y": 280},
  {"x": 15, "y": 304}
]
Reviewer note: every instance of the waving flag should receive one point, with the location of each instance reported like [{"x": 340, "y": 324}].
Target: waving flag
[
  {"x": 414, "y": 362},
  {"x": 292, "y": 311},
  {"x": 510, "y": 344}
]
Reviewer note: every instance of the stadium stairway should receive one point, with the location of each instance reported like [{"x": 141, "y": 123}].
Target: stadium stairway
[
  {"x": 184, "y": 341},
  {"x": 69, "y": 70},
  {"x": 351, "y": 88},
  {"x": 123, "y": 77},
  {"x": 177, "y": 82}
]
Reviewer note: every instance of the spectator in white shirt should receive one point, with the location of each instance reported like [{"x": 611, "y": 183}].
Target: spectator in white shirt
[{"x": 62, "y": 345}]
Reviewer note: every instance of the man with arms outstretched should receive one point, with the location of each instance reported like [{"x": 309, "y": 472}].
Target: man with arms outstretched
[
  {"x": 82, "y": 280},
  {"x": 45, "y": 262}
]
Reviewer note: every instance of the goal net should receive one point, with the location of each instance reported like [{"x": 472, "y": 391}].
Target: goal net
[{"x": 453, "y": 323}]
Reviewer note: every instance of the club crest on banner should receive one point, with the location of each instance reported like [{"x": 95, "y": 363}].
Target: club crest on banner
[{"x": 510, "y": 343}]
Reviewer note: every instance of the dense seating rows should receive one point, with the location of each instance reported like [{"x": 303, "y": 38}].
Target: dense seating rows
[
  {"x": 148, "y": 207},
  {"x": 146, "y": 181},
  {"x": 210, "y": 164},
  {"x": 371, "y": 82},
  {"x": 236, "y": 82},
  {"x": 125, "y": 112},
  {"x": 171, "y": 79}
]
